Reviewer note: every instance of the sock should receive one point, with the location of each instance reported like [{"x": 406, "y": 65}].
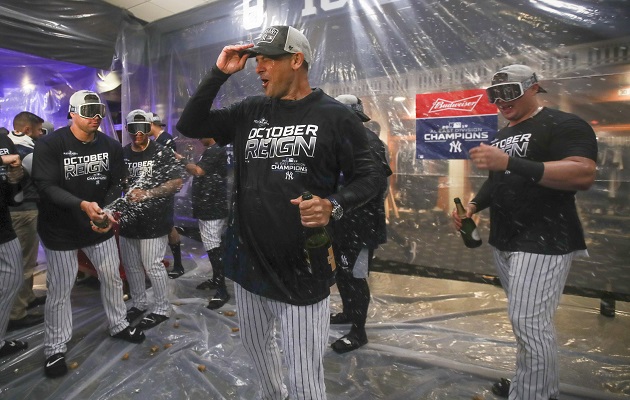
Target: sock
[
  {"x": 177, "y": 256},
  {"x": 216, "y": 259},
  {"x": 360, "y": 303}
]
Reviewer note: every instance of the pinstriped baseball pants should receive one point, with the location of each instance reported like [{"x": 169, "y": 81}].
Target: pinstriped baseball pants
[
  {"x": 534, "y": 284},
  {"x": 211, "y": 231},
  {"x": 11, "y": 279},
  {"x": 304, "y": 339},
  {"x": 138, "y": 256},
  {"x": 60, "y": 277}
]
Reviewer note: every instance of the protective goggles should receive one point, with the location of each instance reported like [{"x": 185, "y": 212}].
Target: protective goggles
[
  {"x": 91, "y": 110},
  {"x": 508, "y": 91},
  {"x": 505, "y": 91},
  {"x": 143, "y": 127}
]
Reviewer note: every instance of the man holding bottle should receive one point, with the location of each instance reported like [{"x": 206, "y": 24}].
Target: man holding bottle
[
  {"x": 536, "y": 164},
  {"x": 293, "y": 139}
]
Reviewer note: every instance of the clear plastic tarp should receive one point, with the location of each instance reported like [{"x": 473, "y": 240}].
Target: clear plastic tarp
[{"x": 429, "y": 339}]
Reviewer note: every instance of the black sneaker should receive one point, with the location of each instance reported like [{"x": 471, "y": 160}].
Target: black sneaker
[
  {"x": 207, "y": 285},
  {"x": 339, "y": 318},
  {"x": 348, "y": 343},
  {"x": 26, "y": 322},
  {"x": 134, "y": 313},
  {"x": 151, "y": 320},
  {"x": 133, "y": 335},
  {"x": 502, "y": 388},
  {"x": 12, "y": 347},
  {"x": 218, "y": 301},
  {"x": 56, "y": 366},
  {"x": 39, "y": 301},
  {"x": 176, "y": 273}
]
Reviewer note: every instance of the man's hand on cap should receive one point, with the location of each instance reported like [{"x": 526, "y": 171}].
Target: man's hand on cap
[{"x": 233, "y": 58}]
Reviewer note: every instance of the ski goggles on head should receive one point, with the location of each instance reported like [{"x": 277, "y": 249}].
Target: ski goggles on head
[
  {"x": 508, "y": 91},
  {"x": 143, "y": 127},
  {"x": 505, "y": 91},
  {"x": 91, "y": 110}
]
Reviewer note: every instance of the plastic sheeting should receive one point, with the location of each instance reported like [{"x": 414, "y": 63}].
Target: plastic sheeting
[
  {"x": 428, "y": 339},
  {"x": 386, "y": 52},
  {"x": 82, "y": 32}
]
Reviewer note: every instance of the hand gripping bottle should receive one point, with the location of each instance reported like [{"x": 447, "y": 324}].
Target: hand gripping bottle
[
  {"x": 318, "y": 249},
  {"x": 469, "y": 232}
]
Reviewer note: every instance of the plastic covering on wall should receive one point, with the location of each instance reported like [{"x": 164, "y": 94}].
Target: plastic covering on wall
[
  {"x": 386, "y": 52},
  {"x": 49, "y": 50}
]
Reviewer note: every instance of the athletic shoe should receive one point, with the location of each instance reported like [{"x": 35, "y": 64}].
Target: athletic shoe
[
  {"x": 39, "y": 301},
  {"x": 502, "y": 388},
  {"x": 12, "y": 347},
  {"x": 56, "y": 366},
  {"x": 176, "y": 273},
  {"x": 150, "y": 321},
  {"x": 133, "y": 335},
  {"x": 218, "y": 301},
  {"x": 349, "y": 342},
  {"x": 207, "y": 285},
  {"x": 134, "y": 313},
  {"x": 26, "y": 322},
  {"x": 339, "y": 318}
]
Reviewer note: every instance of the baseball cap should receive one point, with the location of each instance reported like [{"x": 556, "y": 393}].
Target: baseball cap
[
  {"x": 282, "y": 39},
  {"x": 139, "y": 121},
  {"x": 354, "y": 103},
  {"x": 47, "y": 127},
  {"x": 510, "y": 82},
  {"x": 156, "y": 119},
  {"x": 87, "y": 104}
]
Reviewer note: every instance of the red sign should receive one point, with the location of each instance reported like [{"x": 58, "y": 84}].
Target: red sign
[{"x": 454, "y": 104}]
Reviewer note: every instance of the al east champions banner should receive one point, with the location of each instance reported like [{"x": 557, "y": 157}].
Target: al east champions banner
[{"x": 451, "y": 123}]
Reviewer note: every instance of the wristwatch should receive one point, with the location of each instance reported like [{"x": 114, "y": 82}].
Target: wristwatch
[{"x": 337, "y": 211}]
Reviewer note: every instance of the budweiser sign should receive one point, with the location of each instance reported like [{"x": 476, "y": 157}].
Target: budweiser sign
[{"x": 467, "y": 104}]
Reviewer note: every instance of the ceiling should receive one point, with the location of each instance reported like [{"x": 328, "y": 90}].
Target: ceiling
[{"x": 153, "y": 10}]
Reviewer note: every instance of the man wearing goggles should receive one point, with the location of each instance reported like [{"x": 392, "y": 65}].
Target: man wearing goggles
[
  {"x": 504, "y": 90},
  {"x": 153, "y": 177},
  {"x": 135, "y": 128},
  {"x": 91, "y": 110},
  {"x": 78, "y": 171},
  {"x": 536, "y": 164}
]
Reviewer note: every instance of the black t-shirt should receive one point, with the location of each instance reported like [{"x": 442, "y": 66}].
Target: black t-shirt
[
  {"x": 146, "y": 170},
  {"x": 209, "y": 191},
  {"x": 67, "y": 171},
  {"x": 6, "y": 193},
  {"x": 282, "y": 148},
  {"x": 525, "y": 216}
]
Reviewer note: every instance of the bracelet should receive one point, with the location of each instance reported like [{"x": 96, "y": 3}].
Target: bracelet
[{"x": 532, "y": 170}]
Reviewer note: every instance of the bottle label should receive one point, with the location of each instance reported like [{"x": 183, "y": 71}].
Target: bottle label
[
  {"x": 475, "y": 234},
  {"x": 321, "y": 261}
]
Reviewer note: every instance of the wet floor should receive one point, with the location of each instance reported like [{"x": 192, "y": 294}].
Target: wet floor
[{"x": 428, "y": 339}]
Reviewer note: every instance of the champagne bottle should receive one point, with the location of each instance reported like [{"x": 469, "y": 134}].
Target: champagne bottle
[
  {"x": 318, "y": 250},
  {"x": 469, "y": 232}
]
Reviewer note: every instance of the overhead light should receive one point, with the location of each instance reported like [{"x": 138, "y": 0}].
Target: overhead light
[{"x": 400, "y": 98}]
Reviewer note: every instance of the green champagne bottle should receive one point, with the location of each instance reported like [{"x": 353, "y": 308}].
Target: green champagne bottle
[
  {"x": 318, "y": 249},
  {"x": 469, "y": 232}
]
